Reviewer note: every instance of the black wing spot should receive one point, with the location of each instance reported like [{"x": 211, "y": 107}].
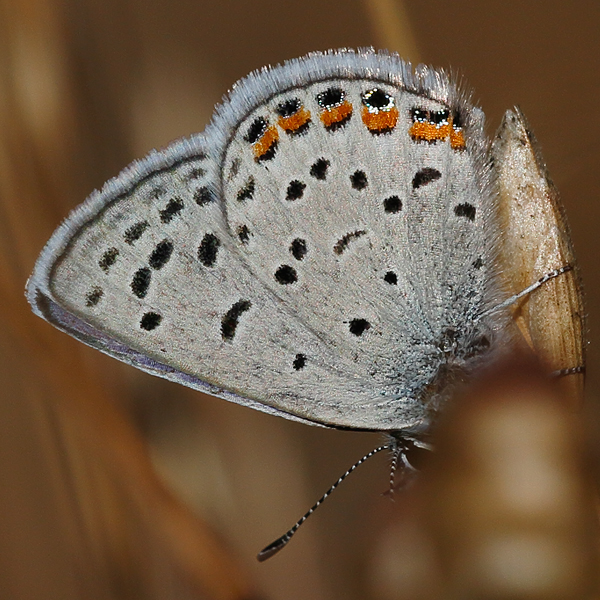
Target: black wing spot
[
  {"x": 440, "y": 117},
  {"x": 298, "y": 248},
  {"x": 295, "y": 190},
  {"x": 247, "y": 192},
  {"x": 342, "y": 243},
  {"x": 393, "y": 204},
  {"x": 243, "y": 233},
  {"x": 150, "y": 321},
  {"x": 157, "y": 192},
  {"x": 256, "y": 130},
  {"x": 161, "y": 254},
  {"x": 465, "y": 210},
  {"x": 285, "y": 275},
  {"x": 141, "y": 282},
  {"x": 299, "y": 362},
  {"x": 108, "y": 259},
  {"x": 331, "y": 98},
  {"x": 425, "y": 176},
  {"x": 377, "y": 99},
  {"x": 135, "y": 232},
  {"x": 93, "y": 297},
  {"x": 203, "y": 196},
  {"x": 391, "y": 278},
  {"x": 172, "y": 210},
  {"x": 208, "y": 249},
  {"x": 359, "y": 326},
  {"x": 196, "y": 173},
  {"x": 420, "y": 115},
  {"x": 359, "y": 180},
  {"x": 319, "y": 169},
  {"x": 288, "y": 107},
  {"x": 230, "y": 319}
]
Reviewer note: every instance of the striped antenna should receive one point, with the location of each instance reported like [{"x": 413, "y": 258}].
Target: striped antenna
[{"x": 279, "y": 543}]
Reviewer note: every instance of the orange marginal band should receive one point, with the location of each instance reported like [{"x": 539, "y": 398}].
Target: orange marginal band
[
  {"x": 293, "y": 123},
  {"x": 428, "y": 132},
  {"x": 262, "y": 146},
  {"x": 457, "y": 139},
  {"x": 382, "y": 120},
  {"x": 336, "y": 114}
]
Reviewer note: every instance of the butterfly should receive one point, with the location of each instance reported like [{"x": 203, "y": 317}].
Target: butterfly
[{"x": 328, "y": 250}]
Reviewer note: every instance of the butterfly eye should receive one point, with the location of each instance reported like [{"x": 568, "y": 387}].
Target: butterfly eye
[
  {"x": 289, "y": 107},
  {"x": 331, "y": 98},
  {"x": 376, "y": 100},
  {"x": 256, "y": 130}
]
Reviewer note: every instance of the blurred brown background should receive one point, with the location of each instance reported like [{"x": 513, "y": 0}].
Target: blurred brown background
[{"x": 114, "y": 484}]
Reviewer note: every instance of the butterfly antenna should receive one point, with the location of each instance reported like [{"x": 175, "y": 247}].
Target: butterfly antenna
[
  {"x": 279, "y": 543},
  {"x": 394, "y": 466}
]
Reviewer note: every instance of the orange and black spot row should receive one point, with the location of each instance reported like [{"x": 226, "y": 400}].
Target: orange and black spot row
[
  {"x": 433, "y": 126},
  {"x": 379, "y": 113},
  {"x": 337, "y": 111},
  {"x": 293, "y": 117},
  {"x": 263, "y": 137}
]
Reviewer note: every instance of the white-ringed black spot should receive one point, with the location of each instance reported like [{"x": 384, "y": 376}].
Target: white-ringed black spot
[
  {"x": 230, "y": 319},
  {"x": 440, "y": 117},
  {"x": 108, "y": 259},
  {"x": 376, "y": 100},
  {"x": 359, "y": 180},
  {"x": 141, "y": 282},
  {"x": 465, "y": 210},
  {"x": 419, "y": 115},
  {"x": 391, "y": 278},
  {"x": 135, "y": 232},
  {"x": 172, "y": 210},
  {"x": 295, "y": 190},
  {"x": 393, "y": 204},
  {"x": 342, "y": 243},
  {"x": 299, "y": 362},
  {"x": 203, "y": 196},
  {"x": 150, "y": 321},
  {"x": 161, "y": 254},
  {"x": 208, "y": 249},
  {"x": 358, "y": 326},
  {"x": 285, "y": 275},
  {"x": 256, "y": 130},
  {"x": 93, "y": 296},
  {"x": 289, "y": 107},
  {"x": 331, "y": 98},
  {"x": 319, "y": 169},
  {"x": 298, "y": 248},
  {"x": 425, "y": 176},
  {"x": 247, "y": 192},
  {"x": 243, "y": 233}
]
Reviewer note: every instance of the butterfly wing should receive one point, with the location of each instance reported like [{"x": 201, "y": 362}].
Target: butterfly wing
[{"x": 311, "y": 255}]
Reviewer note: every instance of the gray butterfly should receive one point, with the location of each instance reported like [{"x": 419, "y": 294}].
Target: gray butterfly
[{"x": 325, "y": 251}]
